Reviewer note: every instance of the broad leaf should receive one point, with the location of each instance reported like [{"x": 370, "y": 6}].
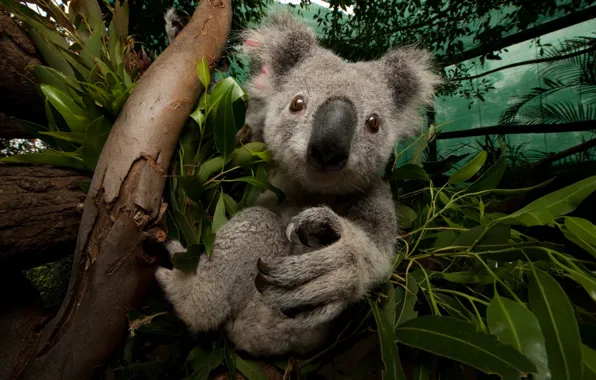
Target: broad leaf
[
  {"x": 558, "y": 203},
  {"x": 260, "y": 184},
  {"x": 203, "y": 72},
  {"x": 498, "y": 234},
  {"x": 250, "y": 369},
  {"x": 209, "y": 167},
  {"x": 204, "y": 362},
  {"x": 408, "y": 172},
  {"x": 515, "y": 325},
  {"x": 586, "y": 280},
  {"x": 389, "y": 354},
  {"x": 589, "y": 357},
  {"x": 219, "y": 216},
  {"x": 187, "y": 261},
  {"x": 224, "y": 134},
  {"x": 559, "y": 326},
  {"x": 231, "y": 205},
  {"x": 406, "y": 216},
  {"x": 468, "y": 170},
  {"x": 405, "y": 300},
  {"x": 192, "y": 186},
  {"x": 458, "y": 340},
  {"x": 584, "y": 233},
  {"x": 491, "y": 178}
]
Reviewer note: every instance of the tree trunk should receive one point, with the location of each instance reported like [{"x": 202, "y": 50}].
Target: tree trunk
[
  {"x": 41, "y": 210},
  {"x": 18, "y": 96},
  {"x": 125, "y": 199}
]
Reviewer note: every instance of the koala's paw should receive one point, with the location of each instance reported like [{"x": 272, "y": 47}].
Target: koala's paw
[{"x": 314, "y": 227}]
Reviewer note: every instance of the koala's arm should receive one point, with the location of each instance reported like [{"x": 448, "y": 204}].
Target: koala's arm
[{"x": 357, "y": 254}]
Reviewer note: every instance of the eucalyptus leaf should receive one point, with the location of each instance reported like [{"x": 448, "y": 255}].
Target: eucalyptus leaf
[
  {"x": 560, "y": 202},
  {"x": 584, "y": 233},
  {"x": 589, "y": 358},
  {"x": 410, "y": 172},
  {"x": 515, "y": 325},
  {"x": 468, "y": 170},
  {"x": 219, "y": 217},
  {"x": 458, "y": 340},
  {"x": 260, "y": 184},
  {"x": 491, "y": 178},
  {"x": 406, "y": 216},
  {"x": 558, "y": 324},
  {"x": 224, "y": 134},
  {"x": 389, "y": 353},
  {"x": 250, "y": 369},
  {"x": 405, "y": 301},
  {"x": 203, "y": 72},
  {"x": 187, "y": 261}
]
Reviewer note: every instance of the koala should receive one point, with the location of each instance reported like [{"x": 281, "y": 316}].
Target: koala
[{"x": 281, "y": 274}]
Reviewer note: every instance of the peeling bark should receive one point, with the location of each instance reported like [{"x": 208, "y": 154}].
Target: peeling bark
[
  {"x": 41, "y": 209},
  {"x": 123, "y": 201}
]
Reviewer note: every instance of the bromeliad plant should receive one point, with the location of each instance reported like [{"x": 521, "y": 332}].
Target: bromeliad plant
[{"x": 89, "y": 74}]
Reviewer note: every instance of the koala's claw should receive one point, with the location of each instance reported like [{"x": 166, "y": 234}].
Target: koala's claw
[
  {"x": 261, "y": 283},
  {"x": 314, "y": 227},
  {"x": 263, "y": 267}
]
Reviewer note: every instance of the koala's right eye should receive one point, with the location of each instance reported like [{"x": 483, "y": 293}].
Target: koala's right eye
[{"x": 298, "y": 104}]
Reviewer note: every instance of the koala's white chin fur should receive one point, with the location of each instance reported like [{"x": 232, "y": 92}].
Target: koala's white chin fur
[{"x": 280, "y": 274}]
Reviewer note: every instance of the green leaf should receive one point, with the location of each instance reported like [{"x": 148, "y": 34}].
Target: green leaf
[
  {"x": 260, "y": 184},
  {"x": 445, "y": 239},
  {"x": 231, "y": 205},
  {"x": 187, "y": 261},
  {"x": 208, "y": 239},
  {"x": 519, "y": 191},
  {"x": 73, "y": 114},
  {"x": 219, "y": 216},
  {"x": 204, "y": 362},
  {"x": 422, "y": 371},
  {"x": 498, "y": 234},
  {"x": 408, "y": 172},
  {"x": 78, "y": 138},
  {"x": 584, "y": 233},
  {"x": 458, "y": 340},
  {"x": 244, "y": 155},
  {"x": 94, "y": 43},
  {"x": 192, "y": 186},
  {"x": 221, "y": 88},
  {"x": 406, "y": 216},
  {"x": 587, "y": 281},
  {"x": 250, "y": 369},
  {"x": 95, "y": 139},
  {"x": 224, "y": 134},
  {"x": 185, "y": 227},
  {"x": 389, "y": 354},
  {"x": 491, "y": 178},
  {"x": 120, "y": 19},
  {"x": 47, "y": 157},
  {"x": 468, "y": 170},
  {"x": 560, "y": 202},
  {"x": 559, "y": 326},
  {"x": 405, "y": 300},
  {"x": 515, "y": 325},
  {"x": 203, "y": 72},
  {"x": 589, "y": 358}
]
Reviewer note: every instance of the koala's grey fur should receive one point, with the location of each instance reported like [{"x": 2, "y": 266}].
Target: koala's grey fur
[{"x": 280, "y": 274}]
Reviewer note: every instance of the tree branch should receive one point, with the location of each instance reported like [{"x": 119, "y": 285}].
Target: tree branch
[
  {"x": 587, "y": 125},
  {"x": 530, "y": 62},
  {"x": 124, "y": 199}
]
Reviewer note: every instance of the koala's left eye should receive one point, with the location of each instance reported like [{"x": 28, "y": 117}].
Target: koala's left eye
[
  {"x": 298, "y": 104},
  {"x": 372, "y": 123}
]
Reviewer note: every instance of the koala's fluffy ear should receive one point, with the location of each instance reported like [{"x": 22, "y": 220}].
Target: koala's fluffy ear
[
  {"x": 277, "y": 46},
  {"x": 411, "y": 75}
]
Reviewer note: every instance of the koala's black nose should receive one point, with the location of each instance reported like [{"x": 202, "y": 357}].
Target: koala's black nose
[{"x": 333, "y": 128}]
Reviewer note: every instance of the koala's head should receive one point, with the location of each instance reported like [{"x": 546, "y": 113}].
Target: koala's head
[{"x": 331, "y": 124}]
